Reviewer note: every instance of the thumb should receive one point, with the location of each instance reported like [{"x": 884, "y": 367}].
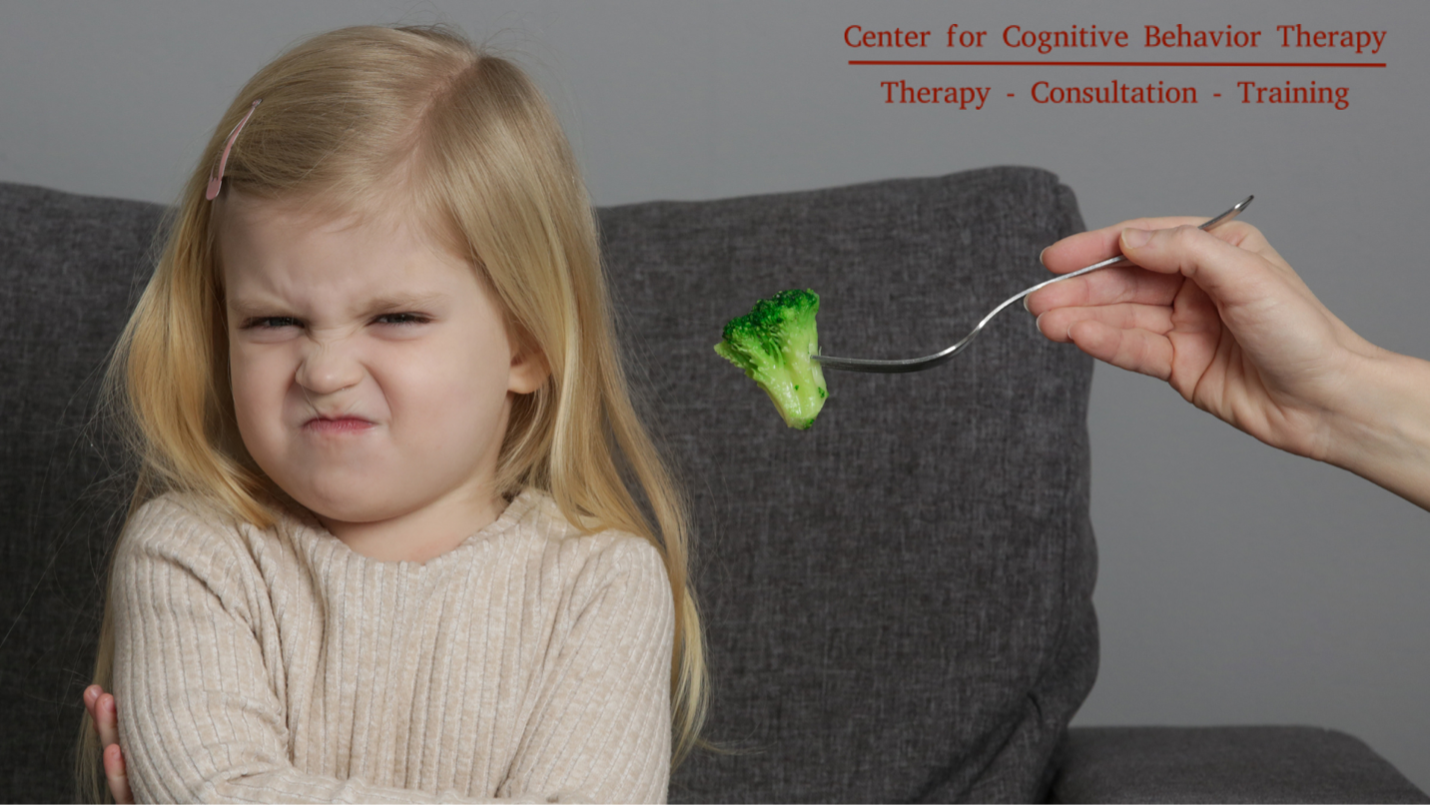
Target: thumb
[{"x": 1229, "y": 274}]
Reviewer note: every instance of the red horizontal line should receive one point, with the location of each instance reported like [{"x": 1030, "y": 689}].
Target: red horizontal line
[{"x": 1129, "y": 64}]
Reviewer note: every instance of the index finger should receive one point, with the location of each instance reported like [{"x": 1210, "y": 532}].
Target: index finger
[
  {"x": 106, "y": 720},
  {"x": 1083, "y": 249}
]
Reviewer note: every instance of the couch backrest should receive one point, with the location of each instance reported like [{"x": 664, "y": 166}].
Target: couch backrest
[
  {"x": 897, "y": 601},
  {"x": 71, "y": 268}
]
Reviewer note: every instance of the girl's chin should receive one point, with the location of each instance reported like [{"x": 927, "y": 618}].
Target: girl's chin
[{"x": 358, "y": 504}]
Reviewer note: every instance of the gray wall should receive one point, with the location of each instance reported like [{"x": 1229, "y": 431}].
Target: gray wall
[{"x": 1238, "y": 584}]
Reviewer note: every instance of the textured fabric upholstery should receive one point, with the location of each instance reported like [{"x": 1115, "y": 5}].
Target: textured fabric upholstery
[
  {"x": 1226, "y": 765},
  {"x": 70, "y": 269},
  {"x": 897, "y": 601}
]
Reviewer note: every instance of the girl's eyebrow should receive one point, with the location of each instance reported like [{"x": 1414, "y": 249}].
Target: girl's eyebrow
[
  {"x": 403, "y": 301},
  {"x": 243, "y": 307},
  {"x": 382, "y": 303}
]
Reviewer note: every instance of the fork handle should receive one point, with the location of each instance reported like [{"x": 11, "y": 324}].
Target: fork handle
[
  {"x": 1229, "y": 214},
  {"x": 922, "y": 363}
]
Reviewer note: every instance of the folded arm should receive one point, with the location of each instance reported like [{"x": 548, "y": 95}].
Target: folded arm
[{"x": 202, "y": 720}]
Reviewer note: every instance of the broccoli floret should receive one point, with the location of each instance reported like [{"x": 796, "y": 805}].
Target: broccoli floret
[{"x": 772, "y": 345}]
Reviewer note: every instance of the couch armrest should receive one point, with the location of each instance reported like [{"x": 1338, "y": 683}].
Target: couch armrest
[{"x": 1224, "y": 765}]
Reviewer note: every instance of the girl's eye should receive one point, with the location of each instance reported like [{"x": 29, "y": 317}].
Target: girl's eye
[
  {"x": 269, "y": 322},
  {"x": 402, "y": 318}
]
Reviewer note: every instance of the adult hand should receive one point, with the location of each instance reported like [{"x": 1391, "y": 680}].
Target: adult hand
[
  {"x": 105, "y": 715},
  {"x": 1225, "y": 320}
]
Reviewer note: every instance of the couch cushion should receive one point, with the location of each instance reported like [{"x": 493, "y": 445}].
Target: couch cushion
[
  {"x": 898, "y": 601},
  {"x": 1227, "y": 765}
]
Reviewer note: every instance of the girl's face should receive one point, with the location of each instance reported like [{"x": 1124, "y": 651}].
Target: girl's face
[{"x": 372, "y": 374}]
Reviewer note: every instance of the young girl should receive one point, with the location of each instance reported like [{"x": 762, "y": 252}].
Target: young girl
[{"x": 381, "y": 548}]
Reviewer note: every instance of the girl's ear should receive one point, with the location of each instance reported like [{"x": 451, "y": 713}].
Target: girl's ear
[{"x": 528, "y": 365}]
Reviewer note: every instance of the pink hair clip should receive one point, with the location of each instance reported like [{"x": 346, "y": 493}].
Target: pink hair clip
[{"x": 216, "y": 180}]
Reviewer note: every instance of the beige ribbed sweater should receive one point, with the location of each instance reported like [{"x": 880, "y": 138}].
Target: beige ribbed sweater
[{"x": 529, "y": 663}]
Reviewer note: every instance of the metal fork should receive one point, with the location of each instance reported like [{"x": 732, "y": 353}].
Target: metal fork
[{"x": 922, "y": 363}]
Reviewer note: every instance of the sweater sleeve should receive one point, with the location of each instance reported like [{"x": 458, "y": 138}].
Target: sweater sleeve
[
  {"x": 601, "y": 722},
  {"x": 200, "y": 720}
]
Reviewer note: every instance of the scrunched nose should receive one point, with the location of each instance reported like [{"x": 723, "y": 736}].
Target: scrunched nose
[{"x": 327, "y": 368}]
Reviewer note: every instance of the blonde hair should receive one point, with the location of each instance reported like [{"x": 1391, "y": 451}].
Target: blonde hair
[{"x": 352, "y": 120}]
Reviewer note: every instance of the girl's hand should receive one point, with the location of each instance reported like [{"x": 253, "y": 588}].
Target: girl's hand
[
  {"x": 1220, "y": 316},
  {"x": 105, "y": 715}
]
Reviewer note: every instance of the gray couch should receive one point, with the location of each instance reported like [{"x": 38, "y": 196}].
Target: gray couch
[{"x": 899, "y": 601}]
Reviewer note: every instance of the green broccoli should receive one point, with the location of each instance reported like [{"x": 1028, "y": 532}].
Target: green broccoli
[{"x": 772, "y": 345}]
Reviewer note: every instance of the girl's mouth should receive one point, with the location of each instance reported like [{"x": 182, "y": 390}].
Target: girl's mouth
[{"x": 338, "y": 426}]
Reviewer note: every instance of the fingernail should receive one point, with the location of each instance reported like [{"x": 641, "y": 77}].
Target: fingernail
[
  {"x": 1039, "y": 323},
  {"x": 1134, "y": 237},
  {"x": 1025, "y": 305},
  {"x": 1040, "y": 256}
]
